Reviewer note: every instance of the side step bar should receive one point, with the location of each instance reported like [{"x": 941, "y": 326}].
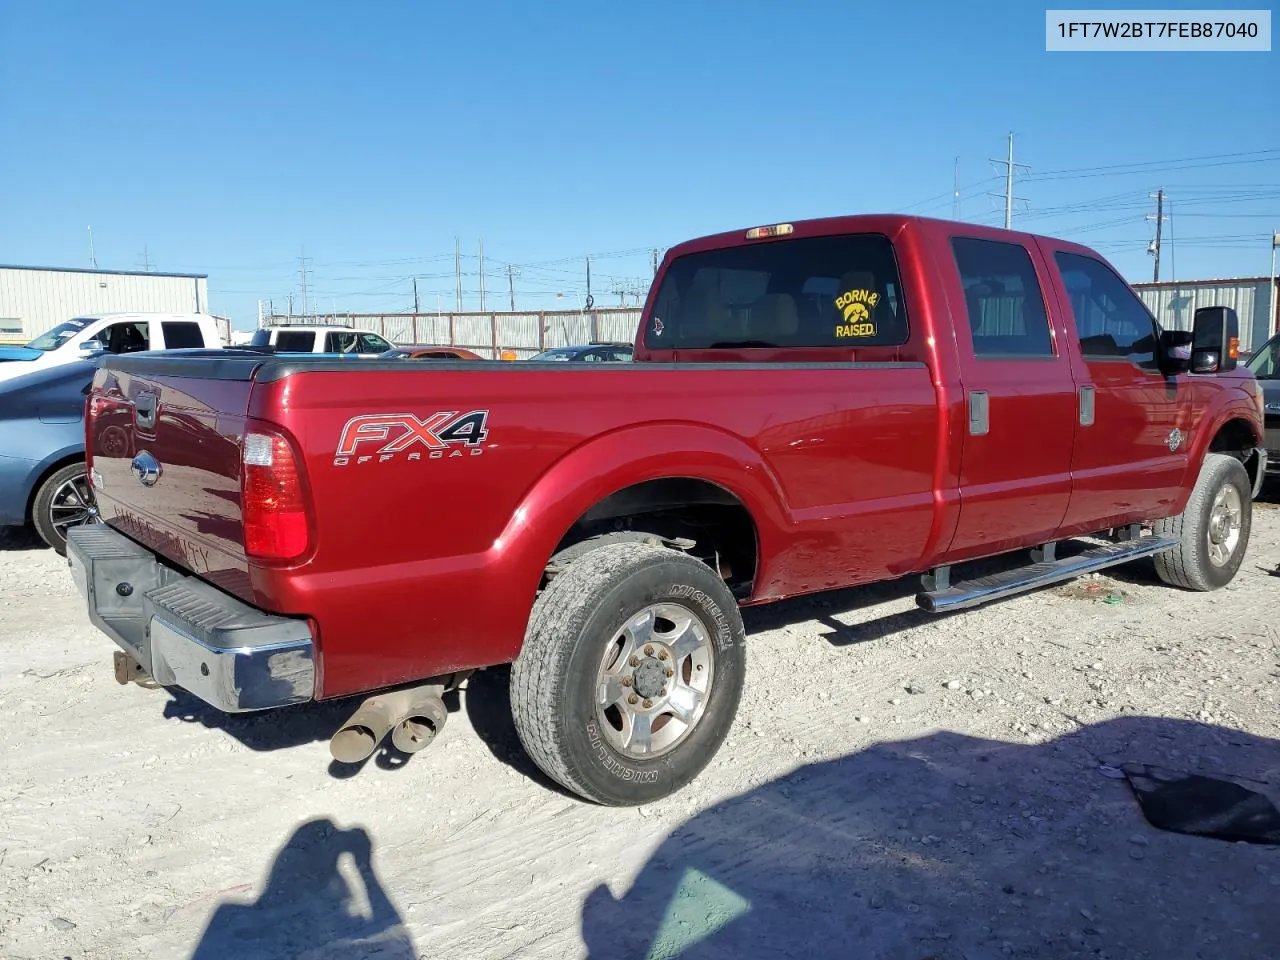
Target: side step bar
[{"x": 972, "y": 593}]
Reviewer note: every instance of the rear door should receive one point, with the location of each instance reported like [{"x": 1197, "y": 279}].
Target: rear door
[
  {"x": 1131, "y": 448},
  {"x": 1020, "y": 417}
]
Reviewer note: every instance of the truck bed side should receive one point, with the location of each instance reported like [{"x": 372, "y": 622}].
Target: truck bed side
[{"x": 834, "y": 465}]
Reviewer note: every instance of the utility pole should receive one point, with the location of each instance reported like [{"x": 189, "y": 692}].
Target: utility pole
[
  {"x": 1272, "y": 324},
  {"x": 457, "y": 269},
  {"x": 482, "y": 276},
  {"x": 302, "y": 270},
  {"x": 93, "y": 261},
  {"x": 146, "y": 259},
  {"x": 1154, "y": 249},
  {"x": 1008, "y": 185},
  {"x": 415, "y": 295},
  {"x": 291, "y": 305},
  {"x": 590, "y": 300},
  {"x": 511, "y": 288},
  {"x": 655, "y": 261}
]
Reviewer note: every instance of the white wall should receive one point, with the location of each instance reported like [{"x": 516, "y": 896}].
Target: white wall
[{"x": 40, "y": 299}]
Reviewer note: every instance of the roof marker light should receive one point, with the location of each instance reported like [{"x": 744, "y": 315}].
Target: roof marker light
[{"x": 776, "y": 230}]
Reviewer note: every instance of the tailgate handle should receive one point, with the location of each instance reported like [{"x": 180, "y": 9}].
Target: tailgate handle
[{"x": 145, "y": 407}]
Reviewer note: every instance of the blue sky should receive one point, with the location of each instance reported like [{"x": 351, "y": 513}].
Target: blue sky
[{"x": 228, "y": 138}]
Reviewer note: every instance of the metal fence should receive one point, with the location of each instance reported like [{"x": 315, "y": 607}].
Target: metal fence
[{"x": 489, "y": 334}]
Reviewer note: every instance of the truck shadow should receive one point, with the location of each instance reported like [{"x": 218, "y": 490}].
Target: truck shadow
[
  {"x": 312, "y": 906},
  {"x": 955, "y": 848}
]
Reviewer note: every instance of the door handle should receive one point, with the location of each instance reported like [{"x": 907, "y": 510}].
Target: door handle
[
  {"x": 979, "y": 413},
  {"x": 1087, "y": 395}
]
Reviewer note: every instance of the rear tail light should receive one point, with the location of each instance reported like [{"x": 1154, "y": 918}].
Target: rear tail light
[{"x": 272, "y": 498}]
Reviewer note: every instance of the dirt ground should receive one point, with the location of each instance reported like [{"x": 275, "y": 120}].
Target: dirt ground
[{"x": 896, "y": 786}]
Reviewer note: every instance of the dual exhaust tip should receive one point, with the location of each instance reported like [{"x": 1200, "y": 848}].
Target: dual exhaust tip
[{"x": 414, "y": 717}]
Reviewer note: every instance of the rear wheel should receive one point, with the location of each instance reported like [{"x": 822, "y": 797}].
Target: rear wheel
[
  {"x": 1213, "y": 531},
  {"x": 630, "y": 674},
  {"x": 63, "y": 501}
]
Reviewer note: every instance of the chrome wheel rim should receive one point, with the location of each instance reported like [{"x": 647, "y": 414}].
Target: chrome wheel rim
[
  {"x": 72, "y": 505},
  {"x": 654, "y": 679},
  {"x": 1224, "y": 525}
]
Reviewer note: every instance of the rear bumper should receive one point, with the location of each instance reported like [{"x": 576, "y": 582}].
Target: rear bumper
[{"x": 186, "y": 633}]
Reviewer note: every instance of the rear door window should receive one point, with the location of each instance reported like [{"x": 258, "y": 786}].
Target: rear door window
[
  {"x": 178, "y": 336},
  {"x": 296, "y": 341},
  {"x": 838, "y": 291},
  {"x": 342, "y": 341},
  {"x": 1004, "y": 304}
]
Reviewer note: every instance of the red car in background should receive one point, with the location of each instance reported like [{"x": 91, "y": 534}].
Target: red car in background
[{"x": 429, "y": 353}]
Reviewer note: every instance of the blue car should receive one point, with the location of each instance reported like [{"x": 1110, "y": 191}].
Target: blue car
[{"x": 42, "y": 470}]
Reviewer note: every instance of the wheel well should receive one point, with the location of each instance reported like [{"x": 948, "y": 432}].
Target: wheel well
[
  {"x": 721, "y": 528},
  {"x": 1237, "y": 439},
  {"x": 45, "y": 475}
]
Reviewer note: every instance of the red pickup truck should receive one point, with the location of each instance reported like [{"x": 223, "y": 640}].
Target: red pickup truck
[{"x": 813, "y": 405}]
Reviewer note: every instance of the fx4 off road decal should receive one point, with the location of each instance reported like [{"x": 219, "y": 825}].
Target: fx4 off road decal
[
  {"x": 856, "y": 306},
  {"x": 379, "y": 437}
]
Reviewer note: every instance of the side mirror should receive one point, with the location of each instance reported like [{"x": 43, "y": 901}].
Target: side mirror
[
  {"x": 92, "y": 345},
  {"x": 1215, "y": 340}
]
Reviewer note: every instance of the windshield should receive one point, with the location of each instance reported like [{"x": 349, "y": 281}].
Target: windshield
[
  {"x": 1265, "y": 364},
  {"x": 53, "y": 339},
  {"x": 554, "y": 355}
]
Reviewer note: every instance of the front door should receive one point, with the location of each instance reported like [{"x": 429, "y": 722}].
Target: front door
[
  {"x": 1020, "y": 417},
  {"x": 1131, "y": 447}
]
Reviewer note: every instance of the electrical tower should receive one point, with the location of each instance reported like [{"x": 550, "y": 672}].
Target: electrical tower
[
  {"x": 303, "y": 273},
  {"x": 1008, "y": 185},
  {"x": 457, "y": 269}
]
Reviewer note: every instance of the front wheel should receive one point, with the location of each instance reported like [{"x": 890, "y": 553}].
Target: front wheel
[
  {"x": 64, "y": 500},
  {"x": 1213, "y": 531},
  {"x": 630, "y": 674}
]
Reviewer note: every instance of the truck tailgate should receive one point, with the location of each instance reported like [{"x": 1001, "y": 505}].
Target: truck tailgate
[{"x": 164, "y": 439}]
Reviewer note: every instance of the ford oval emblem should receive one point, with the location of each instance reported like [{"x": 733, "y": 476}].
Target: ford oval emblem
[{"x": 146, "y": 468}]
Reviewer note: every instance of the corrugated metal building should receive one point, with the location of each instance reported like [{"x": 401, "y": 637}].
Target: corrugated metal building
[
  {"x": 1176, "y": 303},
  {"x": 33, "y": 299}
]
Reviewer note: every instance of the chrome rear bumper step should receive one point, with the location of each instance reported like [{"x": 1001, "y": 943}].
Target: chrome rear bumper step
[{"x": 972, "y": 593}]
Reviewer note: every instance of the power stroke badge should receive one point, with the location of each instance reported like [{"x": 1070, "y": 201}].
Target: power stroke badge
[{"x": 383, "y": 437}]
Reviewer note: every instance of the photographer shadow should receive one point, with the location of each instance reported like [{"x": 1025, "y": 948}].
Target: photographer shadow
[{"x": 312, "y": 906}]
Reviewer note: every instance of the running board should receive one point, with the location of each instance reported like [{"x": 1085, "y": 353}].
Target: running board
[{"x": 972, "y": 593}]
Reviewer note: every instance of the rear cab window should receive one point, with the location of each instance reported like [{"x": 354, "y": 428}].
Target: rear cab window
[
  {"x": 835, "y": 291},
  {"x": 180, "y": 335},
  {"x": 296, "y": 341}
]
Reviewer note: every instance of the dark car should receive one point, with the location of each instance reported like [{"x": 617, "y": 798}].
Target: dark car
[
  {"x": 1265, "y": 365},
  {"x": 591, "y": 353},
  {"x": 42, "y": 471}
]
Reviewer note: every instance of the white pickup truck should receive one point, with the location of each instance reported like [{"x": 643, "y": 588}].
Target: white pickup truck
[
  {"x": 88, "y": 336},
  {"x": 320, "y": 338}
]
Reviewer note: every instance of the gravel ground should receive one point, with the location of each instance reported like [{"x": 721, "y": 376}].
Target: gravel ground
[{"x": 896, "y": 786}]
